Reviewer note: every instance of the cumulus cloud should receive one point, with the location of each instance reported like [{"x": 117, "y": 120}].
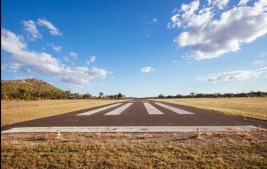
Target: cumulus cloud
[
  {"x": 219, "y": 3},
  {"x": 11, "y": 42},
  {"x": 31, "y": 29},
  {"x": 234, "y": 75},
  {"x": 52, "y": 29},
  {"x": 92, "y": 59},
  {"x": 81, "y": 75},
  {"x": 211, "y": 33},
  {"x": 147, "y": 69},
  {"x": 40, "y": 62}
]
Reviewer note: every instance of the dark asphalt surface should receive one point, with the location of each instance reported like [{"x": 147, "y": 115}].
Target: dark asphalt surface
[{"x": 137, "y": 115}]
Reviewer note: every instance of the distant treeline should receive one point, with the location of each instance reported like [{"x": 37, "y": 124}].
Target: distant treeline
[
  {"x": 100, "y": 96},
  {"x": 34, "y": 89},
  {"x": 216, "y": 95}
]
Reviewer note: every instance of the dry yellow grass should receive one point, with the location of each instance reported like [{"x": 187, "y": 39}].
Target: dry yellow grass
[
  {"x": 14, "y": 112},
  {"x": 247, "y": 107},
  {"x": 233, "y": 149}
]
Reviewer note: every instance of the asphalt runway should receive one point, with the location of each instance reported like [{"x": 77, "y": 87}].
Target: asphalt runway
[{"x": 140, "y": 113}]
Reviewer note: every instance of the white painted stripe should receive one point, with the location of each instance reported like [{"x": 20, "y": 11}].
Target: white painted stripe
[
  {"x": 119, "y": 110},
  {"x": 151, "y": 109},
  {"x": 134, "y": 129},
  {"x": 97, "y": 110},
  {"x": 174, "y": 109}
]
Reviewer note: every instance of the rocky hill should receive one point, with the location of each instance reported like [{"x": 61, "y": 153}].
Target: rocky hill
[{"x": 30, "y": 89}]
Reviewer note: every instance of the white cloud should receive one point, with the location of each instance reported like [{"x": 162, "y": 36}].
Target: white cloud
[
  {"x": 4, "y": 66},
  {"x": 52, "y": 29},
  {"x": 92, "y": 59},
  {"x": 40, "y": 62},
  {"x": 243, "y": 2},
  {"x": 154, "y": 20},
  {"x": 190, "y": 8},
  {"x": 259, "y": 62},
  {"x": 56, "y": 48},
  {"x": 71, "y": 57},
  {"x": 212, "y": 34},
  {"x": 147, "y": 69},
  {"x": 263, "y": 54},
  {"x": 175, "y": 21},
  {"x": 69, "y": 60},
  {"x": 22, "y": 77},
  {"x": 219, "y": 3},
  {"x": 31, "y": 28},
  {"x": 74, "y": 55},
  {"x": 81, "y": 75},
  {"x": 11, "y": 43},
  {"x": 234, "y": 75}
]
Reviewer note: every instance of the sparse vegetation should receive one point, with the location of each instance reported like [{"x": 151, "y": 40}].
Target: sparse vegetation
[
  {"x": 137, "y": 150},
  {"x": 255, "y": 107},
  {"x": 30, "y": 89}
]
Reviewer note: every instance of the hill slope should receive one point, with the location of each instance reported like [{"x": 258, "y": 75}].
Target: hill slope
[{"x": 29, "y": 89}]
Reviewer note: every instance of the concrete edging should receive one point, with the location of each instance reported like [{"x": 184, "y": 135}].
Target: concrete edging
[{"x": 130, "y": 129}]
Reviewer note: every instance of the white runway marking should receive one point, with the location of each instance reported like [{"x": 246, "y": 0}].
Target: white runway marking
[
  {"x": 151, "y": 109},
  {"x": 119, "y": 110},
  {"x": 125, "y": 129},
  {"x": 174, "y": 109},
  {"x": 97, "y": 110}
]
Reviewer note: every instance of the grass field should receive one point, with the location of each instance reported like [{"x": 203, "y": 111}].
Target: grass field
[
  {"x": 13, "y": 111},
  {"x": 234, "y": 149},
  {"x": 247, "y": 107}
]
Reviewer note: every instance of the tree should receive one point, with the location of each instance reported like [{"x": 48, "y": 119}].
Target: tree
[
  {"x": 161, "y": 96},
  {"x": 87, "y": 96},
  {"x": 192, "y": 94},
  {"x": 119, "y": 96},
  {"x": 101, "y": 94}
]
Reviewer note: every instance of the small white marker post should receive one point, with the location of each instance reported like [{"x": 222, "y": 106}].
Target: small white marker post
[
  {"x": 198, "y": 133},
  {"x": 58, "y": 134}
]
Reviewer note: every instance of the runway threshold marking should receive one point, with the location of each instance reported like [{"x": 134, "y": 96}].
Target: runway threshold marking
[
  {"x": 98, "y": 110},
  {"x": 119, "y": 110},
  {"x": 174, "y": 109},
  {"x": 132, "y": 129},
  {"x": 151, "y": 109}
]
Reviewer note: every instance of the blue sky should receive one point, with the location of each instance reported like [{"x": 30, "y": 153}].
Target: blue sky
[{"x": 138, "y": 48}]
